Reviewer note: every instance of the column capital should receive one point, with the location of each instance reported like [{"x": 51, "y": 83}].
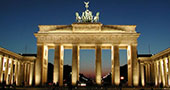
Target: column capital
[
  {"x": 142, "y": 63},
  {"x": 167, "y": 58},
  {"x": 75, "y": 44},
  {"x": 98, "y": 45},
  {"x": 58, "y": 44},
  {"x": 31, "y": 62},
  {"x": 115, "y": 44}
]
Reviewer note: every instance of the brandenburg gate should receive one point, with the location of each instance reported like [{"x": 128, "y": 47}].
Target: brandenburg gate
[{"x": 86, "y": 33}]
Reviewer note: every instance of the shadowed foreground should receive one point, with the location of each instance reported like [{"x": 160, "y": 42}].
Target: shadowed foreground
[{"x": 83, "y": 88}]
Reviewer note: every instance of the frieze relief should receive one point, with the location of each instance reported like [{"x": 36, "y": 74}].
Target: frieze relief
[
  {"x": 87, "y": 28},
  {"x": 86, "y": 39}
]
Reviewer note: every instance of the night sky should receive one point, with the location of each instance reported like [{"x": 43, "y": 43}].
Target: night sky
[{"x": 19, "y": 19}]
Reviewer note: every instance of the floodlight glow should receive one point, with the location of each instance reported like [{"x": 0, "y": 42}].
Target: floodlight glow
[{"x": 122, "y": 78}]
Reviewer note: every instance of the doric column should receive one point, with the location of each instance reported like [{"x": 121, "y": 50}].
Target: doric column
[
  {"x": 41, "y": 65},
  {"x": 18, "y": 75},
  {"x": 115, "y": 68},
  {"x": 149, "y": 72},
  {"x": 58, "y": 65},
  {"x": 133, "y": 67},
  {"x": 162, "y": 72},
  {"x": 6, "y": 70},
  {"x": 156, "y": 73},
  {"x": 38, "y": 65},
  {"x": 31, "y": 73},
  {"x": 169, "y": 70},
  {"x": 16, "y": 70},
  {"x": 142, "y": 74},
  {"x": 11, "y": 72},
  {"x": 98, "y": 64},
  {"x": 1, "y": 68},
  {"x": 75, "y": 62},
  {"x": 165, "y": 70}
]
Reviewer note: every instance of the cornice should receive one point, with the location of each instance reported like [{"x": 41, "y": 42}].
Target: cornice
[
  {"x": 15, "y": 56},
  {"x": 86, "y": 27},
  {"x": 9, "y": 53},
  {"x": 163, "y": 53}
]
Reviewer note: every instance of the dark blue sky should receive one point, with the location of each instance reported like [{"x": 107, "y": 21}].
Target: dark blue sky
[{"x": 19, "y": 19}]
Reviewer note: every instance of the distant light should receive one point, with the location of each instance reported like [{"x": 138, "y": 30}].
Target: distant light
[
  {"x": 121, "y": 78},
  {"x": 83, "y": 84}
]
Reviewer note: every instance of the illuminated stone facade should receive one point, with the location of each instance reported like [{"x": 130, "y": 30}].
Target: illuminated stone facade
[
  {"x": 155, "y": 70},
  {"x": 86, "y": 36},
  {"x": 16, "y": 69},
  {"x": 21, "y": 70}
]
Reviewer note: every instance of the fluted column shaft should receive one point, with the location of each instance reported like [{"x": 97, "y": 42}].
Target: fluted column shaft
[
  {"x": 75, "y": 64},
  {"x": 162, "y": 72},
  {"x": 165, "y": 71},
  {"x": 16, "y": 70},
  {"x": 41, "y": 65},
  {"x": 6, "y": 70},
  {"x": 169, "y": 70},
  {"x": 133, "y": 66},
  {"x": 18, "y": 75},
  {"x": 98, "y": 64},
  {"x": 115, "y": 66},
  {"x": 31, "y": 74},
  {"x": 58, "y": 65},
  {"x": 156, "y": 73},
  {"x": 1, "y": 68},
  {"x": 28, "y": 73},
  {"x": 11, "y": 72},
  {"x": 142, "y": 74}
]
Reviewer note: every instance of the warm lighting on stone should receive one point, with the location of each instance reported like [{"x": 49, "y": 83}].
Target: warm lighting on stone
[
  {"x": 4, "y": 64},
  {"x": 75, "y": 64},
  {"x": 90, "y": 36}
]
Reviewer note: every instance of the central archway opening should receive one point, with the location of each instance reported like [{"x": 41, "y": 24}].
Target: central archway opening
[
  {"x": 106, "y": 66},
  {"x": 67, "y": 68},
  {"x": 87, "y": 65},
  {"x": 50, "y": 65}
]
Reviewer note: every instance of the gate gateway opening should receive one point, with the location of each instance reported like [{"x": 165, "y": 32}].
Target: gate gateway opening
[{"x": 87, "y": 33}]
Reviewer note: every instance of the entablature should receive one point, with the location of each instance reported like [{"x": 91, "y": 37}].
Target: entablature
[
  {"x": 164, "y": 53},
  {"x": 88, "y": 38}
]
